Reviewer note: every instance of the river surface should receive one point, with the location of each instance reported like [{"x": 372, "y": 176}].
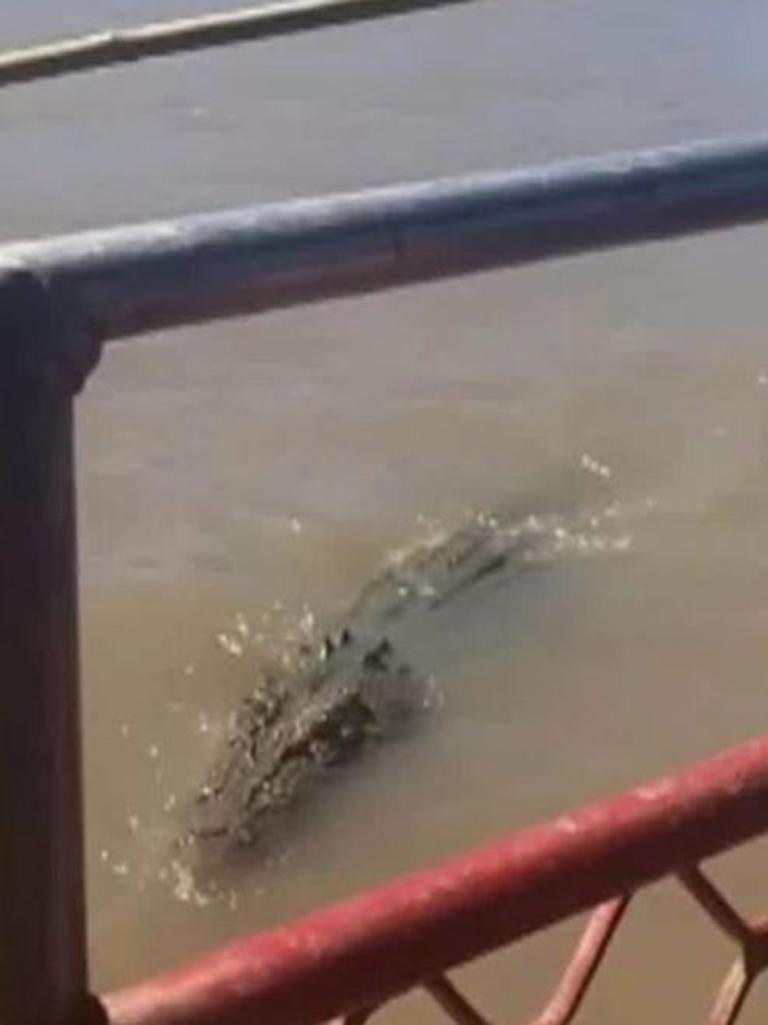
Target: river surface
[{"x": 234, "y": 477}]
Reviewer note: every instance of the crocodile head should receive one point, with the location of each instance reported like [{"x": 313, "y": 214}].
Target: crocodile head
[{"x": 342, "y": 695}]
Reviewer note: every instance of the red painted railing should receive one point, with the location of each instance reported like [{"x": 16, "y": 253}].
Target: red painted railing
[{"x": 348, "y": 959}]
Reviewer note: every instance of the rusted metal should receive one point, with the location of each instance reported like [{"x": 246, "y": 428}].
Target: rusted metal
[
  {"x": 42, "y": 939},
  {"x": 146, "y": 277},
  {"x": 116, "y": 46},
  {"x": 369, "y": 948}
]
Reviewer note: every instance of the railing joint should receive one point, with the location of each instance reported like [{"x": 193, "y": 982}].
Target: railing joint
[{"x": 46, "y": 338}]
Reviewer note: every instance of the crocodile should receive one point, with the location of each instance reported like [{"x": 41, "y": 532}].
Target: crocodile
[{"x": 348, "y": 685}]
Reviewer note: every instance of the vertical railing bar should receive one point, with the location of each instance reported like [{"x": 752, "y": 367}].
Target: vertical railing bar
[{"x": 43, "y": 974}]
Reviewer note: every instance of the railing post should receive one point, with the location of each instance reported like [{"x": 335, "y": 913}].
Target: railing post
[{"x": 44, "y": 356}]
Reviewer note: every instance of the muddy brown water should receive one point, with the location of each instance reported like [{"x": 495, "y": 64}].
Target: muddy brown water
[{"x": 234, "y": 476}]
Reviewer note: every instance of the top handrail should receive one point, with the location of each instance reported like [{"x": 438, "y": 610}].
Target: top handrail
[
  {"x": 116, "y": 46},
  {"x": 130, "y": 280}
]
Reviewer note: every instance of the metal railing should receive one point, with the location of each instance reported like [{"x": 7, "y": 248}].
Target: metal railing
[
  {"x": 60, "y": 299},
  {"x": 223, "y": 28},
  {"x": 350, "y": 958}
]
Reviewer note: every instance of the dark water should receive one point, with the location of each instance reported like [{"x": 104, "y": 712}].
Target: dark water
[{"x": 277, "y": 460}]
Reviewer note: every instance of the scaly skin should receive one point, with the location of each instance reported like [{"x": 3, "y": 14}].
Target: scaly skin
[{"x": 351, "y": 687}]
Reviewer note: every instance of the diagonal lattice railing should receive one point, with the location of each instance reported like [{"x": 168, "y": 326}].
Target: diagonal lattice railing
[
  {"x": 592, "y": 946},
  {"x": 346, "y": 961}
]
